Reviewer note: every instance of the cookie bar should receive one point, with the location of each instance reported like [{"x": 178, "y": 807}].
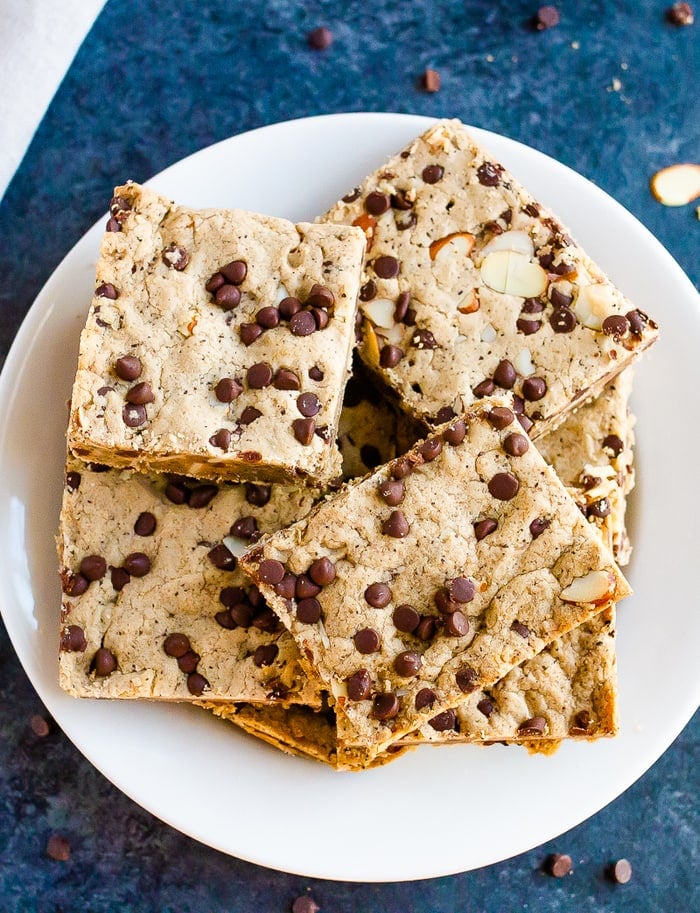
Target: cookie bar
[
  {"x": 218, "y": 343},
  {"x": 154, "y": 604},
  {"x": 471, "y": 286},
  {"x": 435, "y": 575}
]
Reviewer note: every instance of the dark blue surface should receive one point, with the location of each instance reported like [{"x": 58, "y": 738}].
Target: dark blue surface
[{"x": 155, "y": 81}]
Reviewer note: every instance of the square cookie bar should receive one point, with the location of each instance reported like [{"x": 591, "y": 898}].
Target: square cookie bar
[
  {"x": 218, "y": 343},
  {"x": 471, "y": 286},
  {"x": 154, "y": 604},
  {"x": 435, "y": 575}
]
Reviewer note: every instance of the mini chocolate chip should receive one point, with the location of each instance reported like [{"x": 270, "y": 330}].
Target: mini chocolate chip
[
  {"x": 245, "y": 528},
  {"x": 308, "y": 404},
  {"x": 406, "y": 618},
  {"x": 187, "y": 663},
  {"x": 534, "y": 305},
  {"x": 128, "y": 367},
  {"x": 40, "y": 726},
  {"x": 137, "y": 564},
  {"x": 268, "y": 317},
  {"x": 486, "y": 706},
  {"x": 73, "y": 639},
  {"x": 484, "y": 388},
  {"x": 228, "y": 297},
  {"x": 444, "y": 721},
  {"x": 528, "y": 327},
  {"x": 320, "y": 296},
  {"x": 401, "y": 468},
  {"x": 113, "y": 225},
  {"x": 546, "y": 18},
  {"x": 197, "y": 683},
  {"x": 145, "y": 524},
  {"x": 235, "y": 271},
  {"x": 455, "y": 433},
  {"x": 175, "y": 257},
  {"x": 315, "y": 373},
  {"x": 304, "y": 430},
  {"x": 396, "y": 525},
  {"x": 423, "y": 339},
  {"x": 504, "y": 486},
  {"x": 303, "y": 323},
  {"x": 176, "y": 645},
  {"x": 106, "y": 290},
  {"x": 319, "y": 40},
  {"x": 288, "y": 307},
  {"x": 359, "y": 685},
  {"x": 214, "y": 282},
  {"x": 257, "y": 495},
  {"x": 456, "y": 624},
  {"x": 558, "y": 298},
  {"x": 516, "y": 444},
  {"x": 376, "y": 203},
  {"x": 368, "y": 290},
  {"x": 430, "y": 449},
  {"x": 563, "y": 320},
  {"x": 221, "y": 439},
  {"x": 390, "y": 356},
  {"x": 378, "y": 595},
  {"x": 241, "y": 613},
  {"x": 286, "y": 588},
  {"x": 230, "y": 595},
  {"x": 426, "y": 697},
  {"x": 72, "y": 481},
  {"x": 534, "y": 388},
  {"x": 430, "y": 80},
  {"x": 271, "y": 571},
  {"x": 309, "y": 611},
  {"x": 520, "y": 629},
  {"x": 401, "y": 307},
  {"x": 286, "y": 380},
  {"x": 505, "y": 375},
  {"x": 536, "y": 725},
  {"x": 134, "y": 416},
  {"x": 249, "y": 332},
  {"x": 140, "y": 394},
  {"x": 259, "y": 376},
  {"x": 525, "y": 422},
  {"x": 426, "y": 628},
  {"x": 400, "y": 201},
  {"x": 322, "y": 571},
  {"x": 221, "y": 557},
  {"x": 353, "y": 195},
  {"x": 614, "y": 444},
  {"x": 406, "y": 223},
  {"x": 392, "y": 492},
  {"x": 582, "y": 722},
  {"x": 484, "y": 528},
  {"x": 58, "y": 848},
  {"x": 386, "y": 706},
  {"x": 538, "y": 526},
  {"x": 433, "y": 173},
  {"x": 306, "y": 587},
  {"x": 321, "y": 317},
  {"x": 407, "y": 664},
  {"x": 636, "y": 321},
  {"x": 119, "y": 578},
  {"x": 177, "y": 492},
  {"x": 616, "y": 325},
  {"x": 489, "y": 174},
  {"x": 600, "y": 508},
  {"x": 265, "y": 655},
  {"x": 386, "y": 267},
  {"x": 228, "y": 389},
  {"x": 104, "y": 662},
  {"x": 93, "y": 567},
  {"x": 367, "y": 641},
  {"x": 467, "y": 679},
  {"x": 249, "y": 415},
  {"x": 461, "y": 589}
]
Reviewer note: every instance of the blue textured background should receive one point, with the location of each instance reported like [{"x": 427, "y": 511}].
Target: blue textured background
[{"x": 612, "y": 92}]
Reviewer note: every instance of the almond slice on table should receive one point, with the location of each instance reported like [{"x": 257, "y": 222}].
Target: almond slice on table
[{"x": 677, "y": 185}]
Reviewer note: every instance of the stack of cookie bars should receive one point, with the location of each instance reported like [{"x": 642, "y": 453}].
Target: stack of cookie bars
[{"x": 426, "y": 555}]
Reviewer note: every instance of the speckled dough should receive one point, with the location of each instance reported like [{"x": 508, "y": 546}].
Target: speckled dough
[
  {"x": 186, "y": 343},
  {"x": 180, "y": 593},
  {"x": 517, "y": 577},
  {"x": 465, "y": 316}
]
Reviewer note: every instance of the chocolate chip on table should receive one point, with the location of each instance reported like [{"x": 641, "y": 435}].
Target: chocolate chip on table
[
  {"x": 456, "y": 624},
  {"x": 396, "y": 526},
  {"x": 538, "y": 526},
  {"x": 259, "y": 376},
  {"x": 265, "y": 655},
  {"x": 406, "y": 618},
  {"x": 386, "y": 706},
  {"x": 444, "y": 721},
  {"x": 484, "y": 388},
  {"x": 563, "y": 320},
  {"x": 271, "y": 571},
  {"x": 516, "y": 444},
  {"x": 322, "y": 571},
  {"x": 431, "y": 174},
  {"x": 680, "y": 14},
  {"x": 431, "y": 81},
  {"x": 119, "y": 577},
  {"x": 390, "y": 356},
  {"x": 308, "y": 404},
  {"x": 391, "y": 492},
  {"x": 359, "y": 685},
  {"x": 534, "y": 388},
  {"x": 104, "y": 662},
  {"x": 145, "y": 524},
  {"x": 137, "y": 564},
  {"x": 221, "y": 439},
  {"x": 249, "y": 332},
  {"x": 489, "y": 174},
  {"x": 386, "y": 267},
  {"x": 235, "y": 271},
  {"x": 73, "y": 639},
  {"x": 505, "y": 375},
  {"x": 319, "y": 40},
  {"x": 175, "y": 257},
  {"x": 484, "y": 528},
  {"x": 227, "y": 296},
  {"x": 197, "y": 683},
  {"x": 377, "y": 203},
  {"x": 486, "y": 706},
  {"x": 467, "y": 679},
  {"x": 304, "y": 429},
  {"x": 378, "y": 595},
  {"x": 504, "y": 486},
  {"x": 546, "y": 18},
  {"x": 176, "y": 645},
  {"x": 39, "y": 726},
  {"x": 620, "y": 872},
  {"x": 303, "y": 323},
  {"x": 559, "y": 865},
  {"x": 616, "y": 325},
  {"x": 222, "y": 558},
  {"x": 286, "y": 380},
  {"x": 455, "y": 433},
  {"x": 106, "y": 290},
  {"x": 407, "y": 664},
  {"x": 134, "y": 416},
  {"x": 367, "y": 641},
  {"x": 128, "y": 367},
  {"x": 58, "y": 848},
  {"x": 520, "y": 629},
  {"x": 536, "y": 725}
]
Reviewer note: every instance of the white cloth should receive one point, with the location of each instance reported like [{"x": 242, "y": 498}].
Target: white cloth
[{"x": 38, "y": 41}]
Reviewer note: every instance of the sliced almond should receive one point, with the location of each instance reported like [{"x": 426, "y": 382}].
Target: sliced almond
[
  {"x": 471, "y": 303},
  {"x": 380, "y": 311},
  {"x": 512, "y": 273},
  {"x": 595, "y": 587},
  {"x": 677, "y": 184},
  {"x": 282, "y": 293},
  {"x": 488, "y": 334},
  {"x": 523, "y": 363},
  {"x": 394, "y": 335},
  {"x": 371, "y": 344},
  {"x": 593, "y": 304},
  {"x": 457, "y": 245},
  {"x": 511, "y": 240}
]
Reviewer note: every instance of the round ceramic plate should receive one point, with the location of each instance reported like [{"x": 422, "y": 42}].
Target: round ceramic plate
[{"x": 202, "y": 775}]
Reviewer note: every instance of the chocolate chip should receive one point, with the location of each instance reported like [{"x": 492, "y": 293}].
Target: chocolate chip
[
  {"x": 320, "y": 296},
  {"x": 621, "y": 871},
  {"x": 268, "y": 317},
  {"x": 504, "y": 486},
  {"x": 235, "y": 271},
  {"x": 286, "y": 588},
  {"x": 367, "y": 641},
  {"x": 214, "y": 282},
  {"x": 259, "y": 376},
  {"x": 563, "y": 320},
  {"x": 401, "y": 468},
  {"x": 489, "y": 174},
  {"x": 427, "y": 627},
  {"x": 525, "y": 422},
  {"x": 444, "y": 721},
  {"x": 245, "y": 528},
  {"x": 582, "y": 723},
  {"x": 426, "y": 697},
  {"x": 614, "y": 444},
  {"x": 559, "y": 299},
  {"x": 396, "y": 525},
  {"x": 600, "y": 509},
  {"x": 486, "y": 706},
  {"x": 145, "y": 524},
  {"x": 430, "y": 80},
  {"x": 303, "y": 323},
  {"x": 430, "y": 449},
  {"x": 228, "y": 296},
  {"x": 309, "y": 611},
  {"x": 93, "y": 567},
  {"x": 534, "y": 388},
  {"x": 128, "y": 367},
  {"x": 73, "y": 639},
  {"x": 546, "y": 18},
  {"x": 240, "y": 612},
  {"x": 500, "y": 417},
  {"x": 386, "y": 706},
  {"x": 505, "y": 375},
  {"x": 322, "y": 571},
  {"x": 249, "y": 415},
  {"x": 286, "y": 380},
  {"x": 353, "y": 195},
  {"x": 538, "y": 526},
  {"x": 390, "y": 356},
  {"x": 221, "y": 439},
  {"x": 392, "y": 492},
  {"x": 58, "y": 848},
  {"x": 72, "y": 481},
  {"x": 228, "y": 389},
  {"x": 321, "y": 317},
  {"x": 461, "y": 589},
  {"x": 636, "y": 321},
  {"x": 221, "y": 557},
  {"x": 137, "y": 564},
  {"x": 177, "y": 492},
  {"x": 265, "y": 655},
  {"x": 106, "y": 290},
  {"x": 119, "y": 205},
  {"x": 175, "y": 257},
  {"x": 407, "y": 223},
  {"x": 407, "y": 664},
  {"x": 197, "y": 684},
  {"x": 534, "y": 726},
  {"x": 315, "y": 373},
  {"x": 119, "y": 577},
  {"x": 444, "y": 414},
  {"x": 134, "y": 416},
  {"x": 423, "y": 339},
  {"x": 456, "y": 624},
  {"x": 249, "y": 332},
  {"x": 230, "y": 595},
  {"x": 386, "y": 267},
  {"x": 176, "y": 645},
  {"x": 378, "y": 595},
  {"x": 445, "y": 605},
  {"x": 616, "y": 325},
  {"x": 359, "y": 685},
  {"x": 455, "y": 433},
  {"x": 516, "y": 444},
  {"x": 319, "y": 40},
  {"x": 520, "y": 629},
  {"x": 368, "y": 290},
  {"x": 304, "y": 430},
  {"x": 467, "y": 679},
  {"x": 104, "y": 662},
  {"x": 308, "y": 404},
  {"x": 406, "y": 618},
  {"x": 528, "y": 327},
  {"x": 433, "y": 173},
  {"x": 140, "y": 394},
  {"x": 271, "y": 571},
  {"x": 400, "y": 201},
  {"x": 559, "y": 865},
  {"x": 376, "y": 203},
  {"x": 484, "y": 528},
  {"x": 306, "y": 587},
  {"x": 535, "y": 306},
  {"x": 187, "y": 663},
  {"x": 484, "y": 388}
]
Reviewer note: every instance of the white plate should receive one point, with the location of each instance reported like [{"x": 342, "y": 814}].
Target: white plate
[{"x": 432, "y": 812}]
